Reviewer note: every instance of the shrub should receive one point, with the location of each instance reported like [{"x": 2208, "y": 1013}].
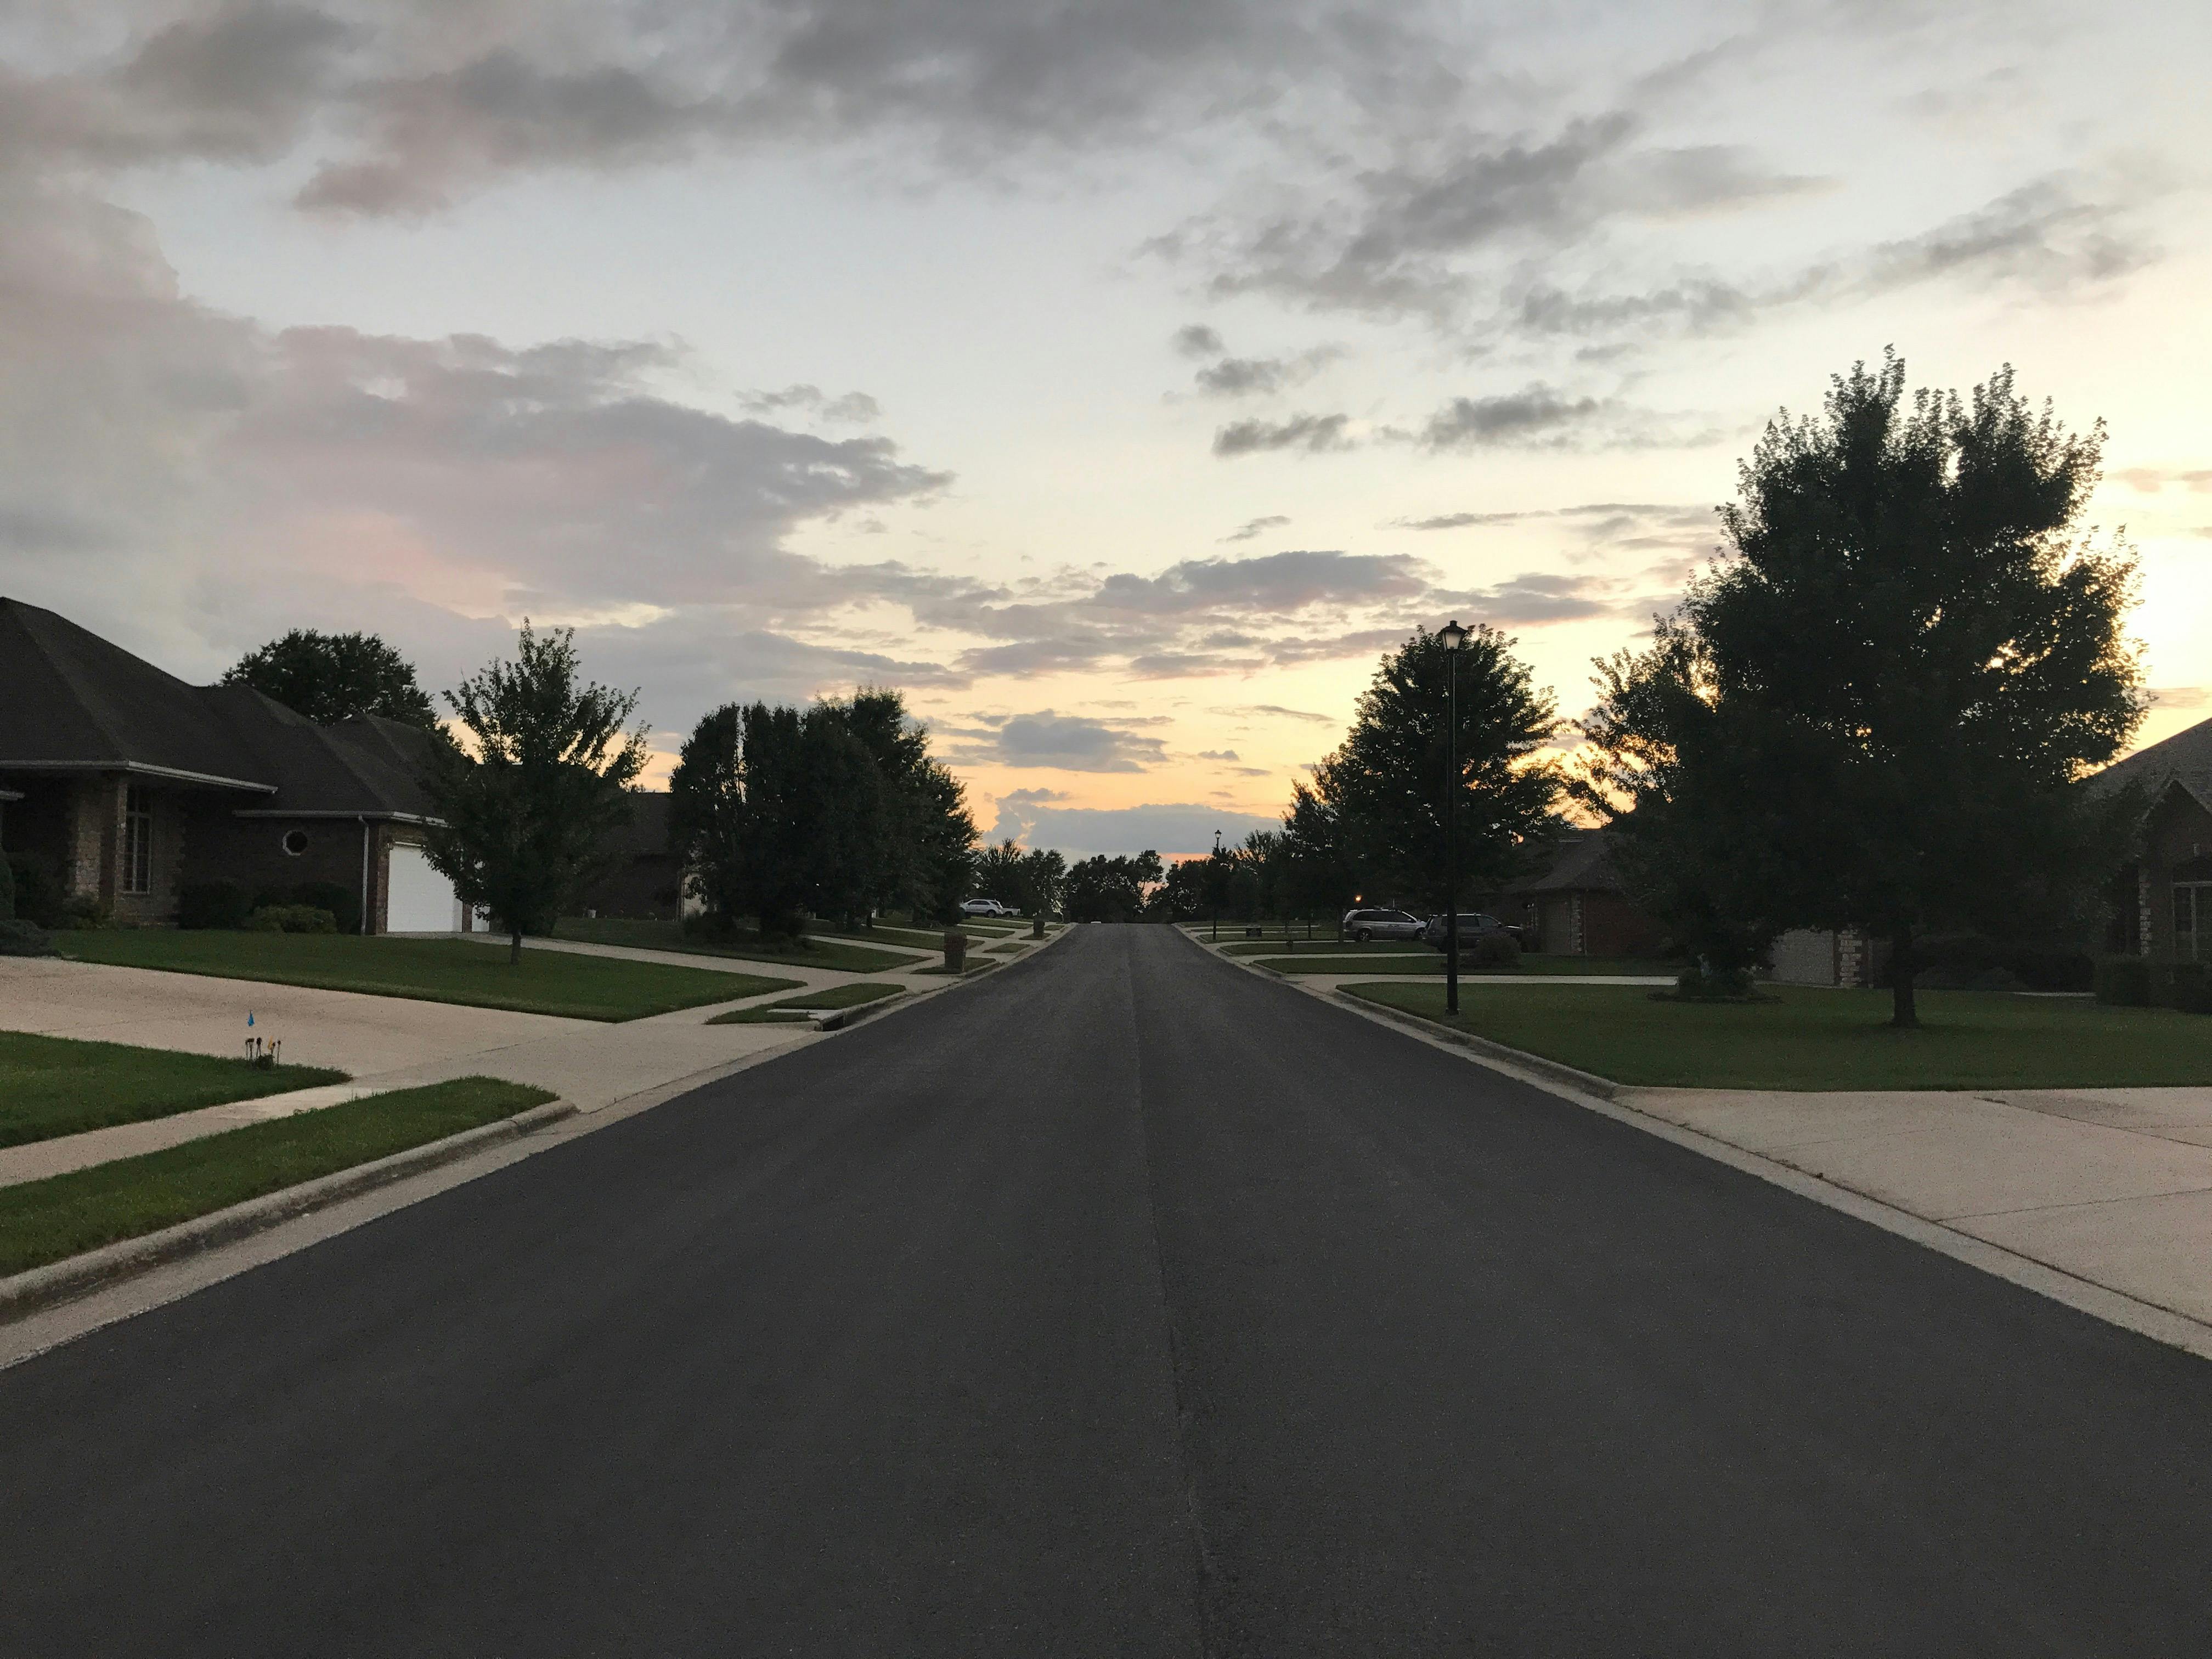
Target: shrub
[
  {"x": 2124, "y": 982},
  {"x": 1971, "y": 962},
  {"x": 1493, "y": 950},
  {"x": 1701, "y": 981},
  {"x": 81, "y": 912},
  {"x": 213, "y": 904},
  {"x": 341, "y": 901},
  {"x": 39, "y": 896},
  {"x": 2184, "y": 985},
  {"x": 291, "y": 919},
  {"x": 23, "y": 938}
]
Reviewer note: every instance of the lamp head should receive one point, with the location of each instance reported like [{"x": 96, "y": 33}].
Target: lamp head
[{"x": 1453, "y": 635}]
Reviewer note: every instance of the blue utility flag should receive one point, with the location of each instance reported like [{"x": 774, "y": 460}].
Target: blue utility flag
[{"x": 249, "y": 1016}]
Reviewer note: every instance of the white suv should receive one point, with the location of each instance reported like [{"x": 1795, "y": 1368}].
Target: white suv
[
  {"x": 1361, "y": 926},
  {"x": 983, "y": 907}
]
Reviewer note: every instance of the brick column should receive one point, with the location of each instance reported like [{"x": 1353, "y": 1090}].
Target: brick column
[{"x": 95, "y": 839}]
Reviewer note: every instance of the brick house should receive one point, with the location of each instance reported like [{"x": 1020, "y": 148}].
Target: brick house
[
  {"x": 128, "y": 784},
  {"x": 643, "y": 878},
  {"x": 2162, "y": 902},
  {"x": 1578, "y": 905}
]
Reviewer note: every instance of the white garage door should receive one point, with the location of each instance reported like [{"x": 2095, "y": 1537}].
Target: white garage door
[{"x": 422, "y": 901}]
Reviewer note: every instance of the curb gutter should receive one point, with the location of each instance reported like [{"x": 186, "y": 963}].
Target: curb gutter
[
  {"x": 1588, "y": 1082},
  {"x": 78, "y": 1275}
]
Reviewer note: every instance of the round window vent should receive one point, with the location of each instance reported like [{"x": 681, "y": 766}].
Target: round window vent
[{"x": 295, "y": 841}]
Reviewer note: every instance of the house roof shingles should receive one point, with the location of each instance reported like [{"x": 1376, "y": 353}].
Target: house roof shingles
[
  {"x": 2184, "y": 758},
  {"x": 74, "y": 702}
]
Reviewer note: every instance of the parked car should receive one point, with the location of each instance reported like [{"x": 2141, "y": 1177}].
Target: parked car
[
  {"x": 983, "y": 906},
  {"x": 1472, "y": 924},
  {"x": 1372, "y": 924}
]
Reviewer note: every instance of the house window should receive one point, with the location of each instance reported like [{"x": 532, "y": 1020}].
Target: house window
[
  {"x": 2192, "y": 918},
  {"x": 138, "y": 841},
  {"x": 295, "y": 841}
]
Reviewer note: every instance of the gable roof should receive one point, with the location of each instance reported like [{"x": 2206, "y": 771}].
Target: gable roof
[
  {"x": 1583, "y": 863},
  {"x": 75, "y": 702},
  {"x": 2184, "y": 758}
]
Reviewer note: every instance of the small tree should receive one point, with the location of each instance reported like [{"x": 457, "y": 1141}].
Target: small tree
[
  {"x": 528, "y": 802},
  {"x": 1386, "y": 788},
  {"x": 335, "y": 677},
  {"x": 1911, "y": 655}
]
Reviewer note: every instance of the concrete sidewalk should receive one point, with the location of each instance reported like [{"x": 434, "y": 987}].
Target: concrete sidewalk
[{"x": 2113, "y": 1186}]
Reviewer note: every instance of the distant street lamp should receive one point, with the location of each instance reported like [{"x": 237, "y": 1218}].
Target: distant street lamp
[
  {"x": 1213, "y": 882},
  {"x": 1454, "y": 638}
]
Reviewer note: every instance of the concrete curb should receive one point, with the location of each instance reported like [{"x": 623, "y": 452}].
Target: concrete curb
[
  {"x": 27, "y": 1292},
  {"x": 1588, "y": 1082}
]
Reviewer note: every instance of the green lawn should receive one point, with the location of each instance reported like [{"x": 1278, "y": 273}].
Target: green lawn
[
  {"x": 814, "y": 952},
  {"x": 1379, "y": 960},
  {"x": 830, "y": 996},
  {"x": 428, "y": 969},
  {"x": 53, "y": 1086},
  {"x": 43, "y": 1221},
  {"x": 1820, "y": 1039},
  {"x": 975, "y": 966}
]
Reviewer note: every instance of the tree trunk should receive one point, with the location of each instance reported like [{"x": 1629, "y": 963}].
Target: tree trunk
[
  {"x": 514, "y": 949},
  {"x": 1904, "y": 1014}
]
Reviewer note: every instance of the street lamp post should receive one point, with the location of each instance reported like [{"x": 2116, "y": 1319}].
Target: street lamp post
[
  {"x": 1213, "y": 884},
  {"x": 1454, "y": 637}
]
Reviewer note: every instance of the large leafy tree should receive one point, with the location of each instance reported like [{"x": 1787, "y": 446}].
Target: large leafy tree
[
  {"x": 335, "y": 677},
  {"x": 1908, "y": 658},
  {"x": 1385, "y": 787},
  {"x": 743, "y": 817},
  {"x": 838, "y": 810},
  {"x": 1317, "y": 873},
  {"x": 1104, "y": 888},
  {"x": 529, "y": 798},
  {"x": 929, "y": 837}
]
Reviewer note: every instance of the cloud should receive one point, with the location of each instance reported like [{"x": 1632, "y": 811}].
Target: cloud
[
  {"x": 1218, "y": 755},
  {"x": 1399, "y": 241},
  {"x": 1241, "y": 377},
  {"x": 1251, "y": 528},
  {"x": 1066, "y": 743},
  {"x": 2149, "y": 481},
  {"x": 854, "y": 407},
  {"x": 173, "y": 476},
  {"x": 1198, "y": 340},
  {"x": 1177, "y": 829},
  {"x": 1315, "y": 435},
  {"x": 1515, "y": 418},
  {"x": 2181, "y": 696},
  {"x": 1277, "y": 712}
]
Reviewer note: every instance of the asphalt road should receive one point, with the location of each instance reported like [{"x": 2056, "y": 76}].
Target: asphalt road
[{"x": 1125, "y": 1303}]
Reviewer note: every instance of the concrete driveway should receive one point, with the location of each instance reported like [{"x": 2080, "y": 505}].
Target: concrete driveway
[{"x": 359, "y": 1035}]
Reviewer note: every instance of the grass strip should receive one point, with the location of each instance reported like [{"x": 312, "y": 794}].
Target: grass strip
[
  {"x": 53, "y": 1085},
  {"x": 1809, "y": 1039},
  {"x": 743, "y": 945},
  {"x": 972, "y": 968},
  {"x": 476, "y": 975},
  {"x": 65, "y": 1215},
  {"x": 791, "y": 1008},
  {"x": 1432, "y": 962}
]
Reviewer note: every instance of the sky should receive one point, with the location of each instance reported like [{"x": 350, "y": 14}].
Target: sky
[{"x": 1117, "y": 380}]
